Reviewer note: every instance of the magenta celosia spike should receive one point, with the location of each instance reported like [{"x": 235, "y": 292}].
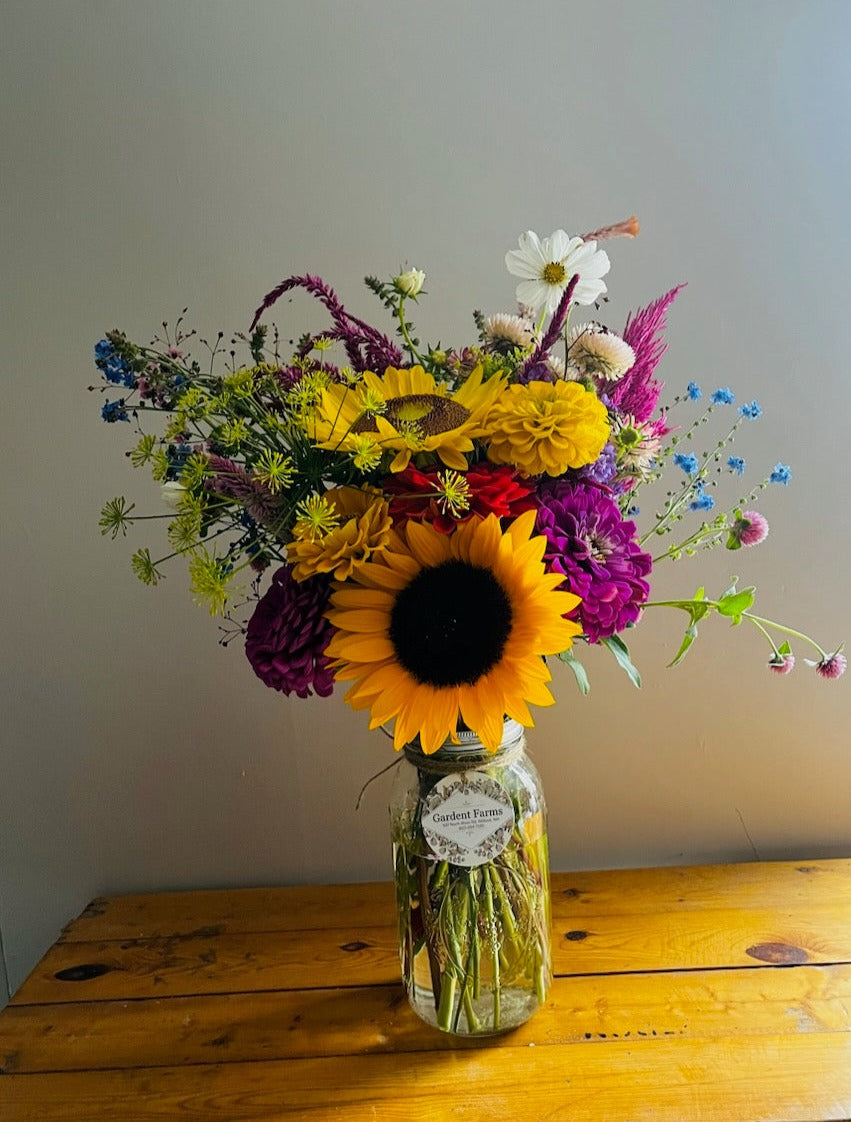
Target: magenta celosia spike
[
  {"x": 637, "y": 393},
  {"x": 352, "y": 332}
]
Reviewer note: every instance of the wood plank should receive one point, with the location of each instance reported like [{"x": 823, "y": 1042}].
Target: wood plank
[
  {"x": 164, "y": 915},
  {"x": 634, "y": 891},
  {"x": 762, "y": 1079},
  {"x": 634, "y": 1009},
  {"x": 360, "y": 956}
]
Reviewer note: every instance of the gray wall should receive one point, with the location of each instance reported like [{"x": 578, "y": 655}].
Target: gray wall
[{"x": 158, "y": 154}]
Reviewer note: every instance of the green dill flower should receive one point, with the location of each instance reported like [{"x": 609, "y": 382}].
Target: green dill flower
[
  {"x": 114, "y": 518},
  {"x": 370, "y": 401},
  {"x": 454, "y": 491},
  {"x": 240, "y": 383},
  {"x": 160, "y": 465},
  {"x": 194, "y": 472},
  {"x": 143, "y": 451},
  {"x": 323, "y": 343},
  {"x": 209, "y": 579},
  {"x": 233, "y": 433},
  {"x": 274, "y": 469},
  {"x": 144, "y": 568},
  {"x": 184, "y": 532},
  {"x": 365, "y": 453},
  {"x": 315, "y": 517},
  {"x": 193, "y": 405}
]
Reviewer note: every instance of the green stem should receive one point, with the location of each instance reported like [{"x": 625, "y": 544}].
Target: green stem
[{"x": 412, "y": 350}]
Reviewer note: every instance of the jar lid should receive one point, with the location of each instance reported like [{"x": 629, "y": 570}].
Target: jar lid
[{"x": 469, "y": 742}]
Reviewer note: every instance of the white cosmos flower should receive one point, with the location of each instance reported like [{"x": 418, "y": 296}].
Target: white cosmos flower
[
  {"x": 602, "y": 354},
  {"x": 546, "y": 266}
]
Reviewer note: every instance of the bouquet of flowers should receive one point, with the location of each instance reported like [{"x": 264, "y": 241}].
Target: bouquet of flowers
[{"x": 436, "y": 523}]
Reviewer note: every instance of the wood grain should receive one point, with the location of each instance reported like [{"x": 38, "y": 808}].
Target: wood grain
[
  {"x": 357, "y": 956},
  {"x": 758, "y": 1078},
  {"x": 763, "y": 885},
  {"x": 717, "y": 994},
  {"x": 630, "y": 1009}
]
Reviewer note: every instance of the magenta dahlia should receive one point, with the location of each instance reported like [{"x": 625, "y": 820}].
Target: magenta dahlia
[
  {"x": 589, "y": 542},
  {"x": 288, "y": 633}
]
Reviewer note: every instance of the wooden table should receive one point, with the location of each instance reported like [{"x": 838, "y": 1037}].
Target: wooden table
[{"x": 711, "y": 993}]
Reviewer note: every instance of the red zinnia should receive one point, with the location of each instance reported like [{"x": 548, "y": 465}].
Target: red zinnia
[{"x": 417, "y": 493}]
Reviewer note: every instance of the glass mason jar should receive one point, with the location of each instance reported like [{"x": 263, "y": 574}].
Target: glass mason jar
[{"x": 472, "y": 883}]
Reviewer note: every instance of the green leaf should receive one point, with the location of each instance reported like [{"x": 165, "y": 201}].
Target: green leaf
[
  {"x": 688, "y": 639},
  {"x": 732, "y": 604},
  {"x": 784, "y": 648},
  {"x": 621, "y": 652},
  {"x": 578, "y": 671}
]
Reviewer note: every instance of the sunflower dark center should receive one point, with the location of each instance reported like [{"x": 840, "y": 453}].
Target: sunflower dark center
[
  {"x": 450, "y": 624},
  {"x": 429, "y": 412}
]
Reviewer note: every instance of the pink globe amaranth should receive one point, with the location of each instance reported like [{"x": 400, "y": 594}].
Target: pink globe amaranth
[
  {"x": 288, "y": 633},
  {"x": 781, "y": 663},
  {"x": 834, "y": 666},
  {"x": 591, "y": 544},
  {"x": 751, "y": 528}
]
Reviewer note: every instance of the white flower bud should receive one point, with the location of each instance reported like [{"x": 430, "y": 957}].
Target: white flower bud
[
  {"x": 410, "y": 283},
  {"x": 172, "y": 493}
]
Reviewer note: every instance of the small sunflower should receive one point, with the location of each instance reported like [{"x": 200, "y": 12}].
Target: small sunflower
[
  {"x": 547, "y": 427},
  {"x": 343, "y": 530},
  {"x": 417, "y": 415},
  {"x": 442, "y": 627}
]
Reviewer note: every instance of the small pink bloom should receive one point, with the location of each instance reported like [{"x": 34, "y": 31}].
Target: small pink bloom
[
  {"x": 833, "y": 666},
  {"x": 781, "y": 663},
  {"x": 751, "y": 528}
]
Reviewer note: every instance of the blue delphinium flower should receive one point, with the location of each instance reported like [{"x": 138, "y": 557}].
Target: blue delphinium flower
[
  {"x": 782, "y": 474},
  {"x": 103, "y": 349},
  {"x": 736, "y": 464},
  {"x": 702, "y": 501},
  {"x": 694, "y": 391},
  {"x": 751, "y": 411},
  {"x": 723, "y": 396},
  {"x": 114, "y": 411},
  {"x": 686, "y": 462}
]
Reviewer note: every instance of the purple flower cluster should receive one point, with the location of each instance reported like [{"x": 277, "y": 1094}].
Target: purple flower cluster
[
  {"x": 233, "y": 481},
  {"x": 288, "y": 634},
  {"x": 591, "y": 544}
]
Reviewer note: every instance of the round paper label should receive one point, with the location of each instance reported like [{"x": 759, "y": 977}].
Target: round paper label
[{"x": 468, "y": 818}]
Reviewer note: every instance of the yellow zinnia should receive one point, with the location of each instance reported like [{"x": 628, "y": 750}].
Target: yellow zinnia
[
  {"x": 417, "y": 415},
  {"x": 447, "y": 626},
  {"x": 547, "y": 427},
  {"x": 363, "y": 530}
]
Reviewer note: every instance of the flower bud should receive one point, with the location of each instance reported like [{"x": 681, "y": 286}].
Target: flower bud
[{"x": 409, "y": 283}]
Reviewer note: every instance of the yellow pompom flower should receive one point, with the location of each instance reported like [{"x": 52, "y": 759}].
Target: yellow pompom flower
[
  {"x": 417, "y": 415},
  {"x": 442, "y": 627},
  {"x": 547, "y": 427},
  {"x": 362, "y": 531}
]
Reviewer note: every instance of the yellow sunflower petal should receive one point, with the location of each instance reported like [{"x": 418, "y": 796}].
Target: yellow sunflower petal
[{"x": 429, "y": 547}]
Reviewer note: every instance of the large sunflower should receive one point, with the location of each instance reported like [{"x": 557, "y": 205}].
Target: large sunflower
[
  {"x": 414, "y": 414},
  {"x": 442, "y": 627}
]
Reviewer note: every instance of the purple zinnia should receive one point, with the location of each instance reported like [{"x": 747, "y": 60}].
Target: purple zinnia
[
  {"x": 288, "y": 633},
  {"x": 591, "y": 544}
]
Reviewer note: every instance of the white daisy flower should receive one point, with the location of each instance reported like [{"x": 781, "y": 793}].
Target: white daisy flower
[
  {"x": 505, "y": 328},
  {"x": 594, "y": 350},
  {"x": 557, "y": 367},
  {"x": 546, "y": 266}
]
